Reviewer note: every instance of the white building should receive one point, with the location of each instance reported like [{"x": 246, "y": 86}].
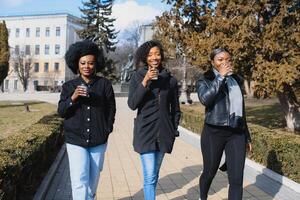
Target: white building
[
  {"x": 146, "y": 33},
  {"x": 44, "y": 39}
]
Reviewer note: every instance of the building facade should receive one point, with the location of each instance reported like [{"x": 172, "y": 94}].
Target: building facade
[
  {"x": 37, "y": 46},
  {"x": 146, "y": 33}
]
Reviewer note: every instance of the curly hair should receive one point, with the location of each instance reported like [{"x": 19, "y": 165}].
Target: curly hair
[
  {"x": 142, "y": 52},
  {"x": 83, "y": 48}
]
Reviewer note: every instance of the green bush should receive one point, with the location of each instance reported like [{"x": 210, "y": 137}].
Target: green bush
[
  {"x": 25, "y": 157},
  {"x": 278, "y": 151}
]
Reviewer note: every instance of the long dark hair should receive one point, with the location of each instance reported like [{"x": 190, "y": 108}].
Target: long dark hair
[{"x": 142, "y": 52}]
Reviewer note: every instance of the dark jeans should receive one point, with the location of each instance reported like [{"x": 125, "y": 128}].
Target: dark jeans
[{"x": 214, "y": 140}]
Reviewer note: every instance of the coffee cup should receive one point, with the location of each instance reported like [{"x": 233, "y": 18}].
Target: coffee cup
[
  {"x": 85, "y": 88},
  {"x": 155, "y": 77}
]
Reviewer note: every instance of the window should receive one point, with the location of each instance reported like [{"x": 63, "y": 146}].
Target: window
[
  {"x": 57, "y": 31},
  {"x": 17, "y": 32},
  {"x": 37, "y": 32},
  {"x": 57, "y": 49},
  {"x": 27, "y": 32},
  {"x": 47, "y": 49},
  {"x": 27, "y": 49},
  {"x": 15, "y": 84},
  {"x": 55, "y": 83},
  {"x": 56, "y": 66},
  {"x": 47, "y": 32},
  {"x": 17, "y": 49},
  {"x": 37, "y": 49},
  {"x": 36, "y": 67},
  {"x": 6, "y": 84},
  {"x": 35, "y": 84},
  {"x": 46, "y": 67},
  {"x": 45, "y": 82}
]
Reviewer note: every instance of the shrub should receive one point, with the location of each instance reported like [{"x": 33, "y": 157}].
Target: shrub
[
  {"x": 24, "y": 157},
  {"x": 278, "y": 151}
]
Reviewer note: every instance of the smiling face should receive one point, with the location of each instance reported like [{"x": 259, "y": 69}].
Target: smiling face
[
  {"x": 87, "y": 66},
  {"x": 154, "y": 58},
  {"x": 220, "y": 59}
]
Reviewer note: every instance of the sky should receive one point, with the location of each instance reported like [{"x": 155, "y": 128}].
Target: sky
[{"x": 125, "y": 11}]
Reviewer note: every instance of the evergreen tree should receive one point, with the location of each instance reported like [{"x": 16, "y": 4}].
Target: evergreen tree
[
  {"x": 98, "y": 23},
  {"x": 4, "y": 52},
  {"x": 99, "y": 28}
]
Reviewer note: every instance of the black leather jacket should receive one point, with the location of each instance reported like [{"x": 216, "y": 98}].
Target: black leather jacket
[{"x": 213, "y": 94}]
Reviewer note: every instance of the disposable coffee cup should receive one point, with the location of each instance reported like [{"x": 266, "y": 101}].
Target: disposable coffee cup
[
  {"x": 85, "y": 88},
  {"x": 155, "y": 77}
]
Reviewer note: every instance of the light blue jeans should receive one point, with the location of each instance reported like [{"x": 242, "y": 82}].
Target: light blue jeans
[
  {"x": 151, "y": 162},
  {"x": 85, "y": 167}
]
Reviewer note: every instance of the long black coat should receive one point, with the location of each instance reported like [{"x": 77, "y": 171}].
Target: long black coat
[
  {"x": 89, "y": 120},
  {"x": 158, "y": 115}
]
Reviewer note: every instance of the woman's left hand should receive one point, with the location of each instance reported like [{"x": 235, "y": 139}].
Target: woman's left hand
[{"x": 249, "y": 147}]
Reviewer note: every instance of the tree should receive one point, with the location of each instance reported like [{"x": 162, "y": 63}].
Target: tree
[
  {"x": 98, "y": 24},
  {"x": 131, "y": 34},
  {"x": 23, "y": 65},
  {"x": 4, "y": 52},
  {"x": 99, "y": 28},
  {"x": 263, "y": 37}
]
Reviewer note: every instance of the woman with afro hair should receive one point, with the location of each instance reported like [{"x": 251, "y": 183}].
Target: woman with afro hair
[
  {"x": 154, "y": 93},
  {"x": 87, "y": 104}
]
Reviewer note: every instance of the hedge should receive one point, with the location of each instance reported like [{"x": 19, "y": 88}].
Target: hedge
[
  {"x": 26, "y": 157},
  {"x": 278, "y": 151}
]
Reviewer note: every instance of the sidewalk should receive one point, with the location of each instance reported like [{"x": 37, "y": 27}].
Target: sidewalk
[{"x": 121, "y": 178}]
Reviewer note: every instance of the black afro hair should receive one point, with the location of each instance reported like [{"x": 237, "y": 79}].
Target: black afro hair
[
  {"x": 142, "y": 52},
  {"x": 83, "y": 48}
]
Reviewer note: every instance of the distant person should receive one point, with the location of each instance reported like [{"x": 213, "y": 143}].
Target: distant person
[
  {"x": 154, "y": 93},
  {"x": 225, "y": 127},
  {"x": 87, "y": 104}
]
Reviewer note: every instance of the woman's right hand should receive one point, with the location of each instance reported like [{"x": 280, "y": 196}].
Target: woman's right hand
[
  {"x": 79, "y": 91},
  {"x": 225, "y": 69},
  {"x": 151, "y": 73}
]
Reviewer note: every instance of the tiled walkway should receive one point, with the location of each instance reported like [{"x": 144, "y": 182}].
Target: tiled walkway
[{"x": 121, "y": 178}]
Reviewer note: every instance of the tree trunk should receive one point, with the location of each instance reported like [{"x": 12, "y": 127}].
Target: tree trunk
[
  {"x": 249, "y": 88},
  {"x": 290, "y": 108}
]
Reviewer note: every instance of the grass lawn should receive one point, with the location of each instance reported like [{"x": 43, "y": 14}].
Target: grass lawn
[
  {"x": 266, "y": 113},
  {"x": 14, "y": 118}
]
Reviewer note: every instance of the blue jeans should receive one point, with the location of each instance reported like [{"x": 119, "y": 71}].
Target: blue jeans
[
  {"x": 151, "y": 162},
  {"x": 85, "y": 167}
]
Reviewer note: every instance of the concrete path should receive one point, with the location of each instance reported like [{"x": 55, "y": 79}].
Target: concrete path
[{"x": 122, "y": 177}]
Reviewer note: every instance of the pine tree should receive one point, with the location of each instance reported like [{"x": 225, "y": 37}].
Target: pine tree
[
  {"x": 99, "y": 28},
  {"x": 98, "y": 24},
  {"x": 4, "y": 52}
]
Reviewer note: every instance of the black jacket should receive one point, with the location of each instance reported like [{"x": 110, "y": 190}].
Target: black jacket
[
  {"x": 155, "y": 126},
  {"x": 89, "y": 120},
  {"x": 213, "y": 94}
]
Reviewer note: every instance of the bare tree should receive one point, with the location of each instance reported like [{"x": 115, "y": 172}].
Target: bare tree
[
  {"x": 131, "y": 34},
  {"x": 22, "y": 67}
]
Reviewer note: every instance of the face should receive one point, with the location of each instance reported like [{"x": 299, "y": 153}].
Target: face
[
  {"x": 154, "y": 58},
  {"x": 221, "y": 58},
  {"x": 87, "y": 65}
]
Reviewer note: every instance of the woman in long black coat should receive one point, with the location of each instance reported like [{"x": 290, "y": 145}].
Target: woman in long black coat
[{"x": 154, "y": 92}]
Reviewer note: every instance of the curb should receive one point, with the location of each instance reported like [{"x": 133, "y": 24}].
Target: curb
[
  {"x": 278, "y": 186},
  {"x": 43, "y": 188}
]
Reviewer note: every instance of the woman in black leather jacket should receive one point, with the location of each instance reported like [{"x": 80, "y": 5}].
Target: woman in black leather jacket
[{"x": 225, "y": 128}]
